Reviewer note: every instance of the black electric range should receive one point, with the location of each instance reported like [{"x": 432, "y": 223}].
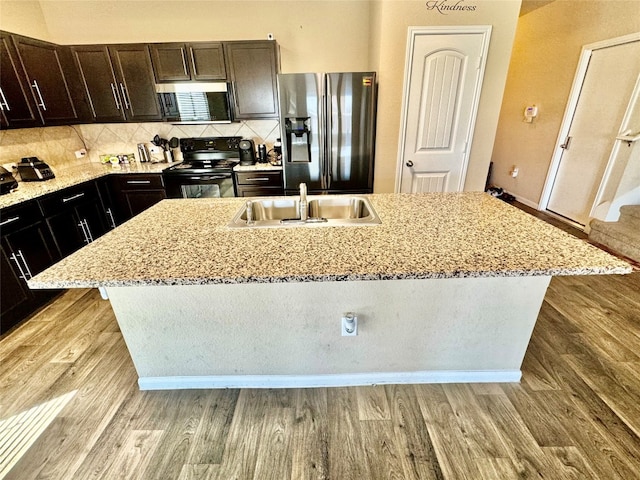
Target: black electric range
[{"x": 206, "y": 169}]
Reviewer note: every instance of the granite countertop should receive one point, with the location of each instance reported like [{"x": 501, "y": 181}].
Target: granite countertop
[
  {"x": 257, "y": 167},
  {"x": 70, "y": 176},
  {"x": 421, "y": 236}
]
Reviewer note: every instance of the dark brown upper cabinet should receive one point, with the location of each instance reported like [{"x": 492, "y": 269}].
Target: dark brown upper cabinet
[
  {"x": 178, "y": 62},
  {"x": 46, "y": 67},
  {"x": 118, "y": 82},
  {"x": 136, "y": 84},
  {"x": 17, "y": 106},
  {"x": 252, "y": 67},
  {"x": 99, "y": 81}
]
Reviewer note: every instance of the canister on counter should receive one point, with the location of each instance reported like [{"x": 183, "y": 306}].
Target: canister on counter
[
  {"x": 143, "y": 153},
  {"x": 262, "y": 153}
]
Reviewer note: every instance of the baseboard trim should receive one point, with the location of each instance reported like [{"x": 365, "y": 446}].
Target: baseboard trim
[
  {"x": 525, "y": 201},
  {"x": 338, "y": 380}
]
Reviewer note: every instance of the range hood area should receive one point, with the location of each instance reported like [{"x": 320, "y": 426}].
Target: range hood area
[{"x": 195, "y": 103}]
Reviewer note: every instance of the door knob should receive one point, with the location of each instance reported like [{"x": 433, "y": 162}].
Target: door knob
[{"x": 409, "y": 163}]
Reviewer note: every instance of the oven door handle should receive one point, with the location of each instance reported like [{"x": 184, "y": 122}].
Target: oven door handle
[{"x": 210, "y": 177}]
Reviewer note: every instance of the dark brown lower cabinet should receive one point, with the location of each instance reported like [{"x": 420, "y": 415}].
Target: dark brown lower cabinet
[
  {"x": 259, "y": 183},
  {"x": 38, "y": 233},
  {"x": 75, "y": 217},
  {"x": 134, "y": 193},
  {"x": 27, "y": 249},
  {"x": 13, "y": 290}
]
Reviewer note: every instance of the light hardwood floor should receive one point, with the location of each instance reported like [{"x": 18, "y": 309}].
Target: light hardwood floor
[{"x": 576, "y": 413}]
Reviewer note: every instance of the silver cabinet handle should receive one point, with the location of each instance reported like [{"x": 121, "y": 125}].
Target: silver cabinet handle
[
  {"x": 26, "y": 273},
  {"x": 127, "y": 104},
  {"x": 112, "y": 221},
  {"x": 26, "y": 265},
  {"x": 8, "y": 221},
  {"x": 84, "y": 232},
  {"x": 88, "y": 238},
  {"x": 193, "y": 62},
  {"x": 37, "y": 88},
  {"x": 15, "y": 259},
  {"x": 115, "y": 95},
  {"x": 4, "y": 104},
  {"x": 68, "y": 199},
  {"x": 184, "y": 62},
  {"x": 257, "y": 179},
  {"x": 89, "y": 235},
  {"x": 138, "y": 182}
]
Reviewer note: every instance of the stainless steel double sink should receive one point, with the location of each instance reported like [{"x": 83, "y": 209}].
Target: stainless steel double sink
[{"x": 322, "y": 210}]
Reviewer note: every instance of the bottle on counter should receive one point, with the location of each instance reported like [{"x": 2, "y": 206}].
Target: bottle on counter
[{"x": 277, "y": 149}]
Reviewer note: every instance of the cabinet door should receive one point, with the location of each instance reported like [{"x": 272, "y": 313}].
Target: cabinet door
[
  {"x": 132, "y": 64},
  {"x": 99, "y": 81},
  {"x": 106, "y": 199},
  {"x": 74, "y": 216},
  {"x": 13, "y": 292},
  {"x": 252, "y": 68},
  {"x": 133, "y": 193},
  {"x": 170, "y": 62},
  {"x": 24, "y": 253},
  {"x": 207, "y": 61},
  {"x": 139, "y": 200},
  {"x": 259, "y": 183},
  {"x": 16, "y": 102},
  {"x": 32, "y": 244},
  {"x": 42, "y": 65},
  {"x": 92, "y": 215},
  {"x": 67, "y": 232}
]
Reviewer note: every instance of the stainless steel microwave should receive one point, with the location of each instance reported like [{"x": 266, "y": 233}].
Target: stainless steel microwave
[{"x": 195, "y": 102}]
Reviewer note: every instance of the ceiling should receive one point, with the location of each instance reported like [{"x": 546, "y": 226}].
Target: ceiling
[{"x": 531, "y": 5}]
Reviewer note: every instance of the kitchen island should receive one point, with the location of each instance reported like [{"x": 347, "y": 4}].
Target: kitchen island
[{"x": 447, "y": 288}]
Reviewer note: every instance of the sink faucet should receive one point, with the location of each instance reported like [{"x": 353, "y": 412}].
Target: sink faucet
[
  {"x": 249, "y": 207},
  {"x": 303, "y": 202}
]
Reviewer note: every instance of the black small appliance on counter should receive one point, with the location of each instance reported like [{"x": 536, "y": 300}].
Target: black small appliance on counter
[
  {"x": 247, "y": 152},
  {"x": 7, "y": 181},
  {"x": 32, "y": 169}
]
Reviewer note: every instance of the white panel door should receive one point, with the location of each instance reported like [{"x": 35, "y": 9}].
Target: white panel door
[
  {"x": 440, "y": 105},
  {"x": 604, "y": 97}
]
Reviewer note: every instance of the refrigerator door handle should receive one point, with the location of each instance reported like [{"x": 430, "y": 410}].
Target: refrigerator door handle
[
  {"x": 327, "y": 138},
  {"x": 324, "y": 164},
  {"x": 322, "y": 127}
]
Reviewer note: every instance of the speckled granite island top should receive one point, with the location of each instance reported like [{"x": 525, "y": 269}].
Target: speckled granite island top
[{"x": 421, "y": 236}]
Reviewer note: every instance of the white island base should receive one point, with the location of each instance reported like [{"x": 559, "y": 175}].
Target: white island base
[{"x": 288, "y": 335}]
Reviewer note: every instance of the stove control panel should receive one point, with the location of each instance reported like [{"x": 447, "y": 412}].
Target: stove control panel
[{"x": 209, "y": 144}]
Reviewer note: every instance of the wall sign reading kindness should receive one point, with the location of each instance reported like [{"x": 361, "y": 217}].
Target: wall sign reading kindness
[{"x": 444, "y": 6}]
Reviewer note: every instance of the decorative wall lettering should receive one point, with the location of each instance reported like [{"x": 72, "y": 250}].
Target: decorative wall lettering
[{"x": 444, "y": 6}]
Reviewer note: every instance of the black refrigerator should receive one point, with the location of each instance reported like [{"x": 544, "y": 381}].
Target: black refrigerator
[{"x": 327, "y": 123}]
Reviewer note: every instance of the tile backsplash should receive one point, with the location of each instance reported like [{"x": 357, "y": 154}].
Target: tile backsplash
[
  {"x": 54, "y": 145},
  {"x": 57, "y": 145}
]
